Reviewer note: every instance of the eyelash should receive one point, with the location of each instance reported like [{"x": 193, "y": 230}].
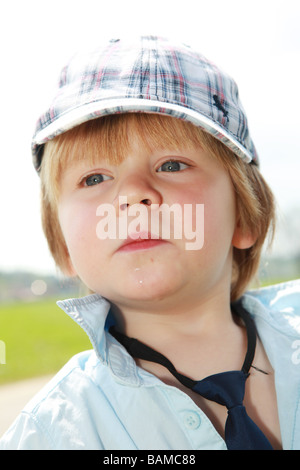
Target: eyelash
[
  {"x": 83, "y": 181},
  {"x": 171, "y": 162}
]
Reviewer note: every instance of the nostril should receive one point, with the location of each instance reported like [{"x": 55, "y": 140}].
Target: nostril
[{"x": 147, "y": 202}]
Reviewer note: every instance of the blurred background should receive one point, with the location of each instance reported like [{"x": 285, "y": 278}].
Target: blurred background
[{"x": 257, "y": 42}]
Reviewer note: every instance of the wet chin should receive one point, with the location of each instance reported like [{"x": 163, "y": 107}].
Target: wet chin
[{"x": 145, "y": 285}]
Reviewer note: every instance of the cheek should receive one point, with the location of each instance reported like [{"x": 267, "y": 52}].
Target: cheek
[
  {"x": 79, "y": 228},
  {"x": 87, "y": 253},
  {"x": 219, "y": 219},
  {"x": 213, "y": 213}
]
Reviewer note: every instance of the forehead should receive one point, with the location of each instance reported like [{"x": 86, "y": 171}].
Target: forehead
[{"x": 111, "y": 137}]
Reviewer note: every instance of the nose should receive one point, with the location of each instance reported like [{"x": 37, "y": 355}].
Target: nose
[
  {"x": 125, "y": 204},
  {"x": 136, "y": 190}
]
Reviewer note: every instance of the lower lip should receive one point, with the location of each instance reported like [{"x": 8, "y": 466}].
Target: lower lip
[{"x": 141, "y": 245}]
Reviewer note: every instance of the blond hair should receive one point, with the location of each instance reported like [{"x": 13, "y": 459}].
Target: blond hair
[{"x": 108, "y": 136}]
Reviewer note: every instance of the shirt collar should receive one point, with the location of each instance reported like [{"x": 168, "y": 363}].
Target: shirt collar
[
  {"x": 91, "y": 313},
  {"x": 277, "y": 304},
  {"x": 268, "y": 306}
]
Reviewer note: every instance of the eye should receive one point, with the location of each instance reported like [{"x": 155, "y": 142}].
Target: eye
[
  {"x": 173, "y": 165},
  {"x": 95, "y": 179}
]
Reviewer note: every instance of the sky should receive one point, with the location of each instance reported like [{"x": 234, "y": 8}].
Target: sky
[{"x": 257, "y": 43}]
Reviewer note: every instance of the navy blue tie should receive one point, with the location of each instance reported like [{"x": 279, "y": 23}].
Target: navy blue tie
[{"x": 226, "y": 388}]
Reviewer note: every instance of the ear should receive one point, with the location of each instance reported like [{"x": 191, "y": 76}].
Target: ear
[{"x": 243, "y": 238}]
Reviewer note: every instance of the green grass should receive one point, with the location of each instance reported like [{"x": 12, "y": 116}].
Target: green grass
[{"x": 39, "y": 339}]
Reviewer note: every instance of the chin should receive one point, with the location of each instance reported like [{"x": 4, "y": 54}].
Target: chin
[
  {"x": 140, "y": 280},
  {"x": 144, "y": 292}
]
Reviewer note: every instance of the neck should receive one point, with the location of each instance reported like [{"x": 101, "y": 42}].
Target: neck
[
  {"x": 203, "y": 318},
  {"x": 212, "y": 344}
]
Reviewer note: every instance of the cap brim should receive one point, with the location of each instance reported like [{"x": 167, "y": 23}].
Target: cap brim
[{"x": 89, "y": 111}]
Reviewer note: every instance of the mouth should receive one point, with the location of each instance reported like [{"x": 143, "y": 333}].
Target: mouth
[{"x": 141, "y": 241}]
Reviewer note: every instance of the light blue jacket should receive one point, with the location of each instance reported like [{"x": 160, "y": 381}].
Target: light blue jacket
[{"x": 102, "y": 400}]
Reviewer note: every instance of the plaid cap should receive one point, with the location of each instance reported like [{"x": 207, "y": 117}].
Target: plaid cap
[{"x": 150, "y": 75}]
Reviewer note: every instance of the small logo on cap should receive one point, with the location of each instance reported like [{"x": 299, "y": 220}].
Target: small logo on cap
[{"x": 220, "y": 106}]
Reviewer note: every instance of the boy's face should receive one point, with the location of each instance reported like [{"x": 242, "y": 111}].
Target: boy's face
[{"x": 161, "y": 272}]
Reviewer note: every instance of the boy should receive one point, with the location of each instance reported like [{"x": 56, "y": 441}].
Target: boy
[{"x": 143, "y": 137}]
